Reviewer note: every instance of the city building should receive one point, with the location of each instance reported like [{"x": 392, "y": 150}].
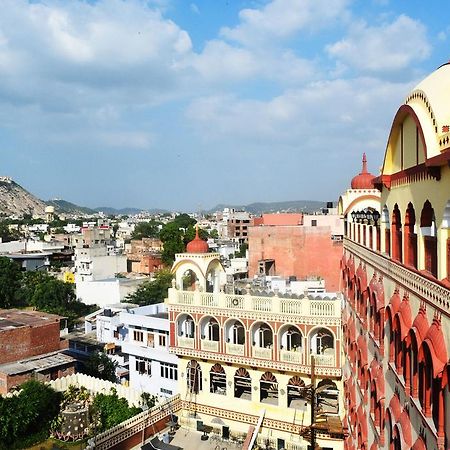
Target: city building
[
  {"x": 395, "y": 275},
  {"x": 294, "y": 245},
  {"x": 245, "y": 360},
  {"x": 144, "y": 256},
  {"x": 30, "y": 347},
  {"x": 142, "y": 335}
]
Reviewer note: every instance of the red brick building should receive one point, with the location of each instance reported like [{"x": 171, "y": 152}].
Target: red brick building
[
  {"x": 312, "y": 248},
  {"x": 29, "y": 346}
]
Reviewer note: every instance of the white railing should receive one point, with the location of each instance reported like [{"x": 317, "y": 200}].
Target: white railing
[
  {"x": 324, "y": 360},
  {"x": 296, "y": 357},
  {"x": 209, "y": 346},
  {"x": 136, "y": 424},
  {"x": 430, "y": 291},
  {"x": 261, "y": 352},
  {"x": 185, "y": 342},
  {"x": 307, "y": 307},
  {"x": 235, "y": 349}
]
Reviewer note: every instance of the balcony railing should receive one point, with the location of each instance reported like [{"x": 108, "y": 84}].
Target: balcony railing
[
  {"x": 431, "y": 292},
  {"x": 262, "y": 353},
  {"x": 209, "y": 346},
  {"x": 185, "y": 342},
  {"x": 295, "y": 357},
  {"x": 300, "y": 307},
  {"x": 235, "y": 349},
  {"x": 324, "y": 360}
]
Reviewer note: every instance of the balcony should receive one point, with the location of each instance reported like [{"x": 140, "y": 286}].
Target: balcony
[
  {"x": 262, "y": 353},
  {"x": 305, "y": 307},
  {"x": 324, "y": 360},
  {"x": 235, "y": 349},
  {"x": 432, "y": 292},
  {"x": 294, "y": 357},
  {"x": 209, "y": 346},
  {"x": 185, "y": 342}
]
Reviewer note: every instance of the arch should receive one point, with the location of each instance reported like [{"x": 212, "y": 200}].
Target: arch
[
  {"x": 321, "y": 341},
  {"x": 218, "y": 380},
  {"x": 209, "y": 328},
  {"x": 235, "y": 332},
  {"x": 295, "y": 392},
  {"x": 429, "y": 238},
  {"x": 189, "y": 280},
  {"x": 419, "y": 444},
  {"x": 212, "y": 276},
  {"x": 185, "y": 326},
  {"x": 194, "y": 377},
  {"x": 410, "y": 237},
  {"x": 268, "y": 388},
  {"x": 291, "y": 338},
  {"x": 242, "y": 384},
  {"x": 262, "y": 335},
  {"x": 396, "y": 234},
  {"x": 387, "y": 229}
]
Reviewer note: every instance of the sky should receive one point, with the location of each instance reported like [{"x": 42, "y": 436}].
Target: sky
[{"x": 182, "y": 105}]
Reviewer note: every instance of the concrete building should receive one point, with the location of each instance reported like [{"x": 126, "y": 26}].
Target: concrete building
[
  {"x": 30, "y": 346},
  {"x": 245, "y": 360},
  {"x": 294, "y": 245},
  {"x": 144, "y": 256},
  {"x": 143, "y": 335},
  {"x": 395, "y": 273}
]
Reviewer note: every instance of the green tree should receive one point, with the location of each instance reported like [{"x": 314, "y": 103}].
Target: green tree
[
  {"x": 112, "y": 410},
  {"x": 10, "y": 279},
  {"x": 242, "y": 251},
  {"x": 214, "y": 234},
  {"x": 8, "y": 235},
  {"x": 152, "y": 291},
  {"x": 146, "y": 230},
  {"x": 98, "y": 365},
  {"x": 27, "y": 414},
  {"x": 172, "y": 238}
]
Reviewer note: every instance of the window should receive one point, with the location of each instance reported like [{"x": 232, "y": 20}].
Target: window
[
  {"x": 162, "y": 340},
  {"x": 150, "y": 340},
  {"x": 314, "y": 223},
  {"x": 138, "y": 336},
  {"x": 144, "y": 366},
  {"x": 169, "y": 371},
  {"x": 116, "y": 334},
  {"x": 166, "y": 391}
]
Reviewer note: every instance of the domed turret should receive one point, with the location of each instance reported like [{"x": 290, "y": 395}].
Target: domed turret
[
  {"x": 365, "y": 179},
  {"x": 197, "y": 245}
]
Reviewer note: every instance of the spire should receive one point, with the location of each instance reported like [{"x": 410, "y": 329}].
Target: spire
[{"x": 364, "y": 161}]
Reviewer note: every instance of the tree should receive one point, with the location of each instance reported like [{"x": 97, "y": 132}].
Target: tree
[
  {"x": 8, "y": 235},
  {"x": 146, "y": 230},
  {"x": 112, "y": 410},
  {"x": 99, "y": 365},
  {"x": 214, "y": 234},
  {"x": 242, "y": 251},
  {"x": 152, "y": 291},
  {"x": 10, "y": 278},
  {"x": 172, "y": 238}
]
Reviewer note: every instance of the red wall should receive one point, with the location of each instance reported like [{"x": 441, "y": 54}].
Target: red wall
[
  {"x": 297, "y": 250},
  {"x": 26, "y": 341}
]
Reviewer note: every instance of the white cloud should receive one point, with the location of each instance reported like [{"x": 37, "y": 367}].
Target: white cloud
[
  {"x": 194, "y": 8},
  {"x": 390, "y": 47},
  {"x": 280, "y": 19}
]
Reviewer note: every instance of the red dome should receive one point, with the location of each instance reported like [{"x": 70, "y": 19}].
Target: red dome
[
  {"x": 365, "y": 179},
  {"x": 197, "y": 245}
]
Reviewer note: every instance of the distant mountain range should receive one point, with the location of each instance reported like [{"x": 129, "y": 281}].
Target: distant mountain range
[
  {"x": 15, "y": 200},
  {"x": 270, "y": 207}
]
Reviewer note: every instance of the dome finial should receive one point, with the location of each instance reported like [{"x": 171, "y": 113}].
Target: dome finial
[{"x": 364, "y": 161}]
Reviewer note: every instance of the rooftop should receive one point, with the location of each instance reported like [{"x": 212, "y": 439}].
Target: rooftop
[
  {"x": 15, "y": 318},
  {"x": 36, "y": 364}
]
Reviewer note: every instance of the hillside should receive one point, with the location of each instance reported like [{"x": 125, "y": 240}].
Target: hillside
[
  {"x": 63, "y": 206},
  {"x": 268, "y": 207},
  {"x": 15, "y": 200}
]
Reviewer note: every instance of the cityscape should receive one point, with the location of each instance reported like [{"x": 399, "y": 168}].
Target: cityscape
[{"x": 260, "y": 323}]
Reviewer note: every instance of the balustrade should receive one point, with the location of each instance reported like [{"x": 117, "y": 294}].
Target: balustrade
[
  {"x": 290, "y": 356},
  {"x": 185, "y": 342},
  {"x": 209, "y": 346},
  {"x": 261, "y": 352},
  {"x": 235, "y": 349}
]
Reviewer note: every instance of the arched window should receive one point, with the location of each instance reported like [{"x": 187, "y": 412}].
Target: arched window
[
  {"x": 387, "y": 230},
  {"x": 291, "y": 339},
  {"x": 268, "y": 389},
  {"x": 296, "y": 394},
  {"x": 242, "y": 384},
  {"x": 410, "y": 237},
  {"x": 210, "y": 329},
  {"x": 189, "y": 280},
  {"x": 428, "y": 230},
  {"x": 186, "y": 326},
  {"x": 262, "y": 335},
  {"x": 218, "y": 380},
  {"x": 322, "y": 342},
  {"x": 397, "y": 241},
  {"x": 194, "y": 377}
]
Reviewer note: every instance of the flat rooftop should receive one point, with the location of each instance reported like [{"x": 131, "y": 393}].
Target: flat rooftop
[
  {"x": 36, "y": 363},
  {"x": 16, "y": 318}
]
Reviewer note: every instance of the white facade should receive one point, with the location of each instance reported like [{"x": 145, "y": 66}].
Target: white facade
[
  {"x": 106, "y": 292},
  {"x": 143, "y": 334}
]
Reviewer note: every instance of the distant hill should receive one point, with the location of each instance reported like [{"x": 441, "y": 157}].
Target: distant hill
[
  {"x": 128, "y": 211},
  {"x": 63, "y": 206},
  {"x": 270, "y": 207},
  {"x": 15, "y": 200}
]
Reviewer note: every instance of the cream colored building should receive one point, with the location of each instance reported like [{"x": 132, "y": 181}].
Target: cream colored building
[{"x": 245, "y": 357}]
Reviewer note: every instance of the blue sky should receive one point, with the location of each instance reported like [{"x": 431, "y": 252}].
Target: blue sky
[{"x": 183, "y": 104}]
